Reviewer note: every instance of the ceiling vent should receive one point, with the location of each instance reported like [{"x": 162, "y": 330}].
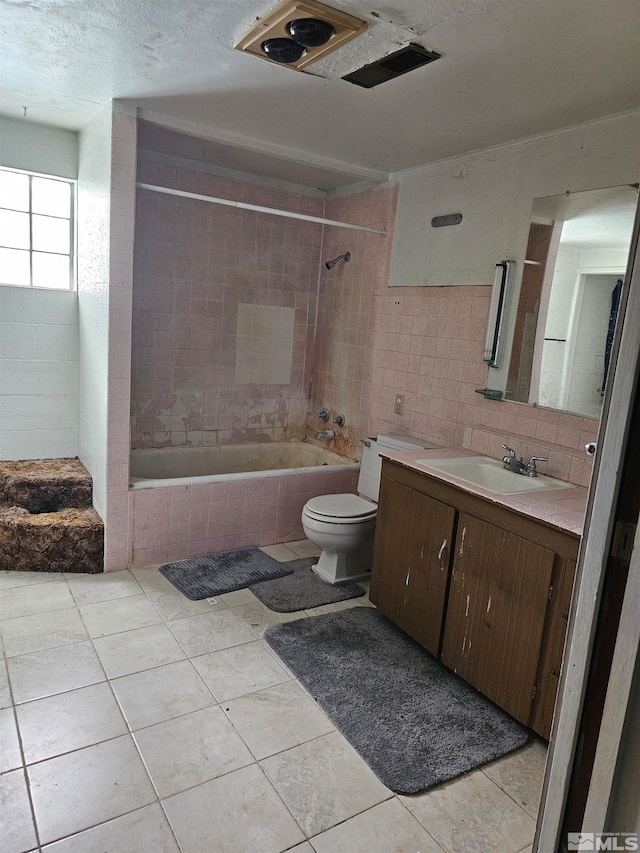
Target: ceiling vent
[
  {"x": 392, "y": 66},
  {"x": 299, "y": 32}
]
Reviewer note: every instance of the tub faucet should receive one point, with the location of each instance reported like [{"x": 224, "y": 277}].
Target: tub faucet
[{"x": 326, "y": 433}]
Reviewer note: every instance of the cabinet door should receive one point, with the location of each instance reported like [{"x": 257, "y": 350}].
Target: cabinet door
[
  {"x": 553, "y": 647},
  {"x": 411, "y": 564},
  {"x": 496, "y": 613}
]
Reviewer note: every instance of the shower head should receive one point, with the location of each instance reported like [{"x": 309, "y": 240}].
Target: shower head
[{"x": 331, "y": 264}]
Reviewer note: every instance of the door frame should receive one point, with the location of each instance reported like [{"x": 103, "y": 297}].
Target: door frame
[{"x": 592, "y": 561}]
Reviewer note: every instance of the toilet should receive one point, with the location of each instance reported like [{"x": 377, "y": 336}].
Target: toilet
[{"x": 343, "y": 525}]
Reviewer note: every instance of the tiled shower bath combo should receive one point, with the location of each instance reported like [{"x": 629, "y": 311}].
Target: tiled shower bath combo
[{"x": 224, "y": 309}]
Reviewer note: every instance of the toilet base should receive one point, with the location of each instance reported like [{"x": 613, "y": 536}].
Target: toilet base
[{"x": 335, "y": 568}]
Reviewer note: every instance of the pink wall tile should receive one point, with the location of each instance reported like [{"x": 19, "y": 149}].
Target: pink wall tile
[
  {"x": 446, "y": 326},
  {"x": 268, "y": 512},
  {"x": 372, "y": 343},
  {"x": 194, "y": 263}
]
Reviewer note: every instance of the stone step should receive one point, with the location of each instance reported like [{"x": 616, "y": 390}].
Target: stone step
[
  {"x": 47, "y": 523},
  {"x": 69, "y": 540},
  {"x": 45, "y": 485}
]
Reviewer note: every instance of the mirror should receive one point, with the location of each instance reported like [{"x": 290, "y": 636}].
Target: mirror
[{"x": 577, "y": 254}]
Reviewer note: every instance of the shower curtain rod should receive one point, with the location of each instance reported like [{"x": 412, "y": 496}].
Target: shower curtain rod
[{"x": 259, "y": 209}]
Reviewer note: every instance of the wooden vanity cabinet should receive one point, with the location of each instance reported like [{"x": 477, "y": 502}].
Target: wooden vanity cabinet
[
  {"x": 494, "y": 607},
  {"x": 411, "y": 574},
  {"x": 496, "y": 613},
  {"x": 553, "y": 646}
]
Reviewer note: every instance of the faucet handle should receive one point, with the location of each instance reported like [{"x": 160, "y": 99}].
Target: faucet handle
[
  {"x": 510, "y": 449},
  {"x": 324, "y": 414},
  {"x": 531, "y": 469}
]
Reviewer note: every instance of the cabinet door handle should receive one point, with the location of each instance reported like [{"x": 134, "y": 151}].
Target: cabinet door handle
[{"x": 441, "y": 552}]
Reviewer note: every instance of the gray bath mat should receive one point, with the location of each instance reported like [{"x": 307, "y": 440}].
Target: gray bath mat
[
  {"x": 414, "y": 722},
  {"x": 203, "y": 577},
  {"x": 302, "y": 590}
]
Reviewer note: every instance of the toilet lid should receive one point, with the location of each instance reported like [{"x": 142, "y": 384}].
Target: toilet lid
[{"x": 341, "y": 506}]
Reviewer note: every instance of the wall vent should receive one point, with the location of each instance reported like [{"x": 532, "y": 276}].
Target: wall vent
[{"x": 391, "y": 66}]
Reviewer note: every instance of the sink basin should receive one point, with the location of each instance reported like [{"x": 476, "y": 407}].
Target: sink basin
[{"x": 490, "y": 474}]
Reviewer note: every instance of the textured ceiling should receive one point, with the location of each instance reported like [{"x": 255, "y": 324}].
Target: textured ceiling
[{"x": 509, "y": 69}]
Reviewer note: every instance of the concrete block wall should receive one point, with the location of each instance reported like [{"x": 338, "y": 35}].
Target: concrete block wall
[
  {"x": 38, "y": 373},
  {"x": 38, "y": 328}
]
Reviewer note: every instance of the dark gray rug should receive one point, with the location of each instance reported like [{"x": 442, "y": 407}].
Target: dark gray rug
[
  {"x": 203, "y": 577},
  {"x": 302, "y": 590},
  {"x": 414, "y": 722}
]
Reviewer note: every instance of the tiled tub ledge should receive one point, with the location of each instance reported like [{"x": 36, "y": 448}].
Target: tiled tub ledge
[
  {"x": 47, "y": 523},
  {"x": 180, "y": 521}
]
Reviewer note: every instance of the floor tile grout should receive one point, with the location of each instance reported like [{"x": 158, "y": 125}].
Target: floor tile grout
[
  {"x": 22, "y": 755},
  {"x": 288, "y": 677}
]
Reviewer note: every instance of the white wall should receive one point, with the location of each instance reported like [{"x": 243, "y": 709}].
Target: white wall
[
  {"x": 559, "y": 314},
  {"x": 38, "y": 328},
  {"x": 38, "y": 373},
  {"x": 588, "y": 344},
  {"x": 122, "y": 226},
  {"x": 38, "y": 148},
  {"x": 106, "y": 203},
  {"x": 494, "y": 189},
  {"x": 93, "y": 218},
  {"x": 610, "y": 260},
  {"x": 571, "y": 371}
]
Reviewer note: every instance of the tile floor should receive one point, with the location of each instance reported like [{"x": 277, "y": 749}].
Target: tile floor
[{"x": 135, "y": 721}]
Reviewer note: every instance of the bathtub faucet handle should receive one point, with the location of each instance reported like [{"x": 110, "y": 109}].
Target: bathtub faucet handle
[
  {"x": 340, "y": 420},
  {"x": 326, "y": 433},
  {"x": 324, "y": 414}
]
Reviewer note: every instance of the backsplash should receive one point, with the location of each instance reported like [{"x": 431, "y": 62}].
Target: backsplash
[
  {"x": 425, "y": 343},
  {"x": 210, "y": 285}
]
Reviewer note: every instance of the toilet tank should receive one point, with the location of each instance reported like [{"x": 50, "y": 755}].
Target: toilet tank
[{"x": 371, "y": 465}]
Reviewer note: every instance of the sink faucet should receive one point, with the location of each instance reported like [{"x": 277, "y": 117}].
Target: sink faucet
[
  {"x": 512, "y": 463},
  {"x": 531, "y": 470}
]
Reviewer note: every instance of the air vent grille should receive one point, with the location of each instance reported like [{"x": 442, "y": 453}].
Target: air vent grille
[{"x": 392, "y": 66}]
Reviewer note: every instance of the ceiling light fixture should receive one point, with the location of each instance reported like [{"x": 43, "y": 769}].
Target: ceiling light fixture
[
  {"x": 283, "y": 50},
  {"x": 311, "y": 32},
  {"x": 299, "y": 32}
]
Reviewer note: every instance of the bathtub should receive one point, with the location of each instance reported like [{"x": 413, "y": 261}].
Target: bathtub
[
  {"x": 171, "y": 466},
  {"x": 187, "y": 502}
]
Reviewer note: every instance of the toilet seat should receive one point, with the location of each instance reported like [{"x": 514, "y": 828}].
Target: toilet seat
[{"x": 340, "y": 509}]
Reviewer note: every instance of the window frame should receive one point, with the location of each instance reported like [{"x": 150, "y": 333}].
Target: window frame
[{"x": 72, "y": 229}]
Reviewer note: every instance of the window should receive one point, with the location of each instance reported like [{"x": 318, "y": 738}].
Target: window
[{"x": 36, "y": 231}]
